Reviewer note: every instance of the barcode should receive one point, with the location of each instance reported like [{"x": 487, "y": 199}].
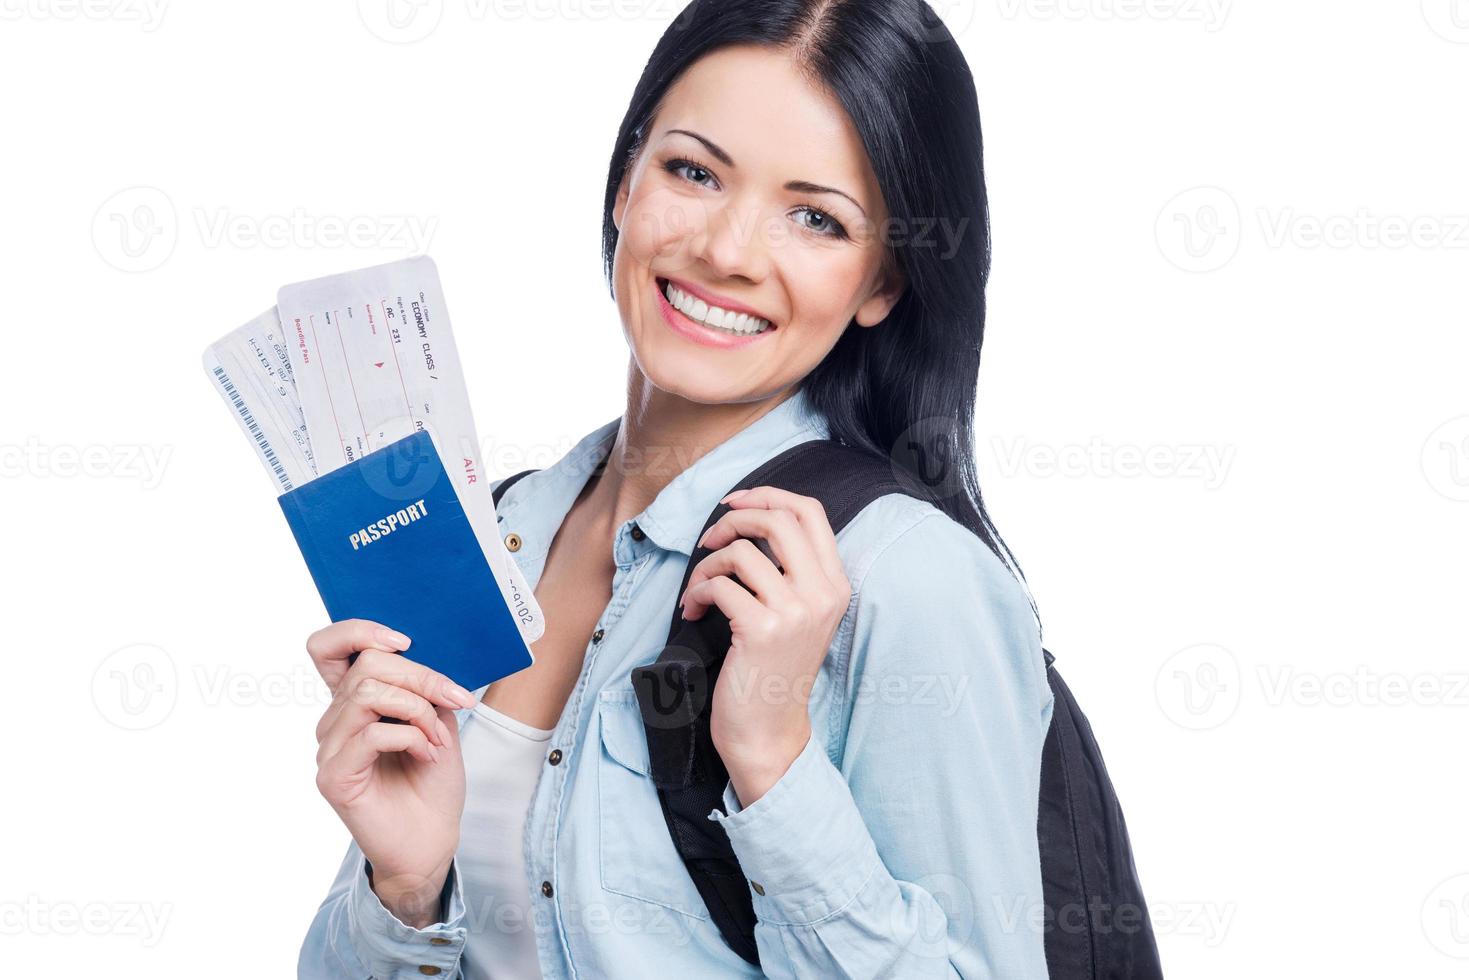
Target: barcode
[{"x": 260, "y": 440}]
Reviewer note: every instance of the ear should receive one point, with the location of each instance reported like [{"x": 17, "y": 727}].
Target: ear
[
  {"x": 620, "y": 204},
  {"x": 889, "y": 290}
]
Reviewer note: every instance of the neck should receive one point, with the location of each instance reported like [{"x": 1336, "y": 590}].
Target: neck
[{"x": 662, "y": 435}]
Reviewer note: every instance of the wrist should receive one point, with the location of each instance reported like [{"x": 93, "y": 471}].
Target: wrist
[
  {"x": 415, "y": 900},
  {"x": 753, "y": 770}
]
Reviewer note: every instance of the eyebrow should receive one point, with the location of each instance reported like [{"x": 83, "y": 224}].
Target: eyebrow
[{"x": 803, "y": 186}]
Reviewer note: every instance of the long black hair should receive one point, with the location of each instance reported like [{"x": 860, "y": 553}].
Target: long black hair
[{"x": 905, "y": 388}]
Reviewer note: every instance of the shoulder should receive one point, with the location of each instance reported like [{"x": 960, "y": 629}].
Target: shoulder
[
  {"x": 929, "y": 595},
  {"x": 901, "y": 547}
]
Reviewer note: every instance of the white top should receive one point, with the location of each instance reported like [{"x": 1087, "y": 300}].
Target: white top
[{"x": 503, "y": 759}]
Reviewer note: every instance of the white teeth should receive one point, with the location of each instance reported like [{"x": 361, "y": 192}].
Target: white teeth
[{"x": 720, "y": 319}]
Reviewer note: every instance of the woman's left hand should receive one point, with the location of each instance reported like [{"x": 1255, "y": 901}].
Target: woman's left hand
[{"x": 782, "y": 621}]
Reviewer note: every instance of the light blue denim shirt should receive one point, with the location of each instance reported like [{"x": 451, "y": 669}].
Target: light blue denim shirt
[{"x": 901, "y": 842}]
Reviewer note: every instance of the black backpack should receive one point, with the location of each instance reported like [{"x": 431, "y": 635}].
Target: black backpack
[{"x": 1097, "y": 925}]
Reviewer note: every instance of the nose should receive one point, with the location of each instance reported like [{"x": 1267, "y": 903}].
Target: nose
[{"x": 732, "y": 243}]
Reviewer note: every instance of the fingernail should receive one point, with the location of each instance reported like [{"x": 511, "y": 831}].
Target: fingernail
[
  {"x": 731, "y": 496},
  {"x": 393, "y": 638},
  {"x": 460, "y": 695},
  {"x": 443, "y": 731},
  {"x": 433, "y": 754}
]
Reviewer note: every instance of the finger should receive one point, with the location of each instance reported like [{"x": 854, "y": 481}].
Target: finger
[
  {"x": 371, "y": 699},
  {"x": 331, "y": 647},
  {"x": 410, "y": 675},
  {"x": 781, "y": 529},
  {"x": 733, "y": 600},
  {"x": 756, "y": 572},
  {"x": 360, "y": 752},
  {"x": 811, "y": 516}
]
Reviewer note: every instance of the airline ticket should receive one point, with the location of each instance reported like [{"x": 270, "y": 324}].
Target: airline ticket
[
  {"x": 374, "y": 361},
  {"x": 251, "y": 369}
]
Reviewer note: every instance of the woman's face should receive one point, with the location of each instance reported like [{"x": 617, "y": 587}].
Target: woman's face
[{"x": 731, "y": 218}]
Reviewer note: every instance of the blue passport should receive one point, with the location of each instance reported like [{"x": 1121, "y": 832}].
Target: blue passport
[{"x": 386, "y": 538}]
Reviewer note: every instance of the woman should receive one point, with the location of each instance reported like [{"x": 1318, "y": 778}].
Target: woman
[{"x": 816, "y": 166}]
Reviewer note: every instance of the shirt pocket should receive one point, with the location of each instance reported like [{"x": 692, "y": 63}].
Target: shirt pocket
[{"x": 638, "y": 858}]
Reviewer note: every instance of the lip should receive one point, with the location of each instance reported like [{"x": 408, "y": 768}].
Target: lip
[{"x": 698, "y": 332}]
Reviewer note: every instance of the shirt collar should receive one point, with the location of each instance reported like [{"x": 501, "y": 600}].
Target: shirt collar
[{"x": 676, "y": 516}]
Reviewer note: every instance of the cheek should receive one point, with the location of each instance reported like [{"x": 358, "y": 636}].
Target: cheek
[
  {"x": 658, "y": 227},
  {"x": 824, "y": 284}
]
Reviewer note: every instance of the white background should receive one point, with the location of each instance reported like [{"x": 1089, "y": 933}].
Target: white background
[{"x": 1265, "y": 622}]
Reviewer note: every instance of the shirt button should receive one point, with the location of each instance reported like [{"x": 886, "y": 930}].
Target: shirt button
[
  {"x": 546, "y": 888},
  {"x": 440, "y": 941},
  {"x": 597, "y": 636},
  {"x": 555, "y": 757},
  {"x": 637, "y": 533},
  {"x": 758, "y": 890},
  {"x": 512, "y": 541},
  {"x": 429, "y": 970}
]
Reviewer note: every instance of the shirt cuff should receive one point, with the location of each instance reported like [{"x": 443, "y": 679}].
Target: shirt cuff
[
  {"x": 391, "y": 949},
  {"x": 803, "y": 845}
]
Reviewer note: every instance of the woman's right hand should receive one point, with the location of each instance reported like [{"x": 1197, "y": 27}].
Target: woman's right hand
[{"x": 399, "y": 788}]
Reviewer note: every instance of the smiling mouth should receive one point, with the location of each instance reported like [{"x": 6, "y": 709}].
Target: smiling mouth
[{"x": 716, "y": 318}]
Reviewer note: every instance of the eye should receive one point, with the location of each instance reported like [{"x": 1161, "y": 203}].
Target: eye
[
  {"x": 674, "y": 166},
  {"x": 825, "y": 225}
]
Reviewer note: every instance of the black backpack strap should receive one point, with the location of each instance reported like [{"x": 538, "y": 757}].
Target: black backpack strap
[
  {"x": 674, "y": 692},
  {"x": 509, "y": 482}
]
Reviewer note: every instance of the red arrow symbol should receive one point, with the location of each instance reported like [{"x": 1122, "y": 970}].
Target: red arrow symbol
[{"x": 379, "y": 364}]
